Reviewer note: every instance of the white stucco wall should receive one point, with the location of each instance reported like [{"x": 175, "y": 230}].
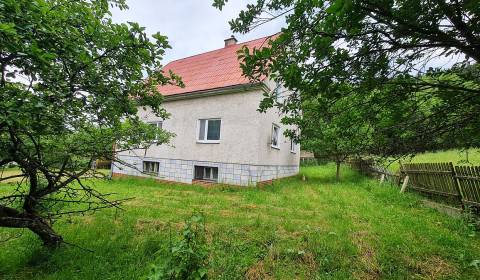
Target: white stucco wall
[
  {"x": 238, "y": 132},
  {"x": 267, "y": 154},
  {"x": 245, "y": 141}
]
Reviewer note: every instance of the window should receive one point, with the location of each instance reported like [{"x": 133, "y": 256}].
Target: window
[
  {"x": 157, "y": 124},
  {"x": 293, "y": 146},
  {"x": 209, "y": 130},
  {"x": 206, "y": 173},
  {"x": 150, "y": 167},
  {"x": 276, "y": 92},
  {"x": 275, "y": 136}
]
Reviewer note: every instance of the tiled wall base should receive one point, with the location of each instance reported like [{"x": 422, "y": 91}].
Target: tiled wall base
[{"x": 228, "y": 173}]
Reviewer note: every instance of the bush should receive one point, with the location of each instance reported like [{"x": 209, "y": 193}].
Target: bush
[{"x": 186, "y": 258}]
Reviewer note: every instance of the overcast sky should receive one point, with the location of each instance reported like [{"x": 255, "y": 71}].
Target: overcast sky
[{"x": 192, "y": 26}]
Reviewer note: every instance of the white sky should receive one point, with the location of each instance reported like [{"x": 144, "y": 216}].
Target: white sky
[{"x": 192, "y": 26}]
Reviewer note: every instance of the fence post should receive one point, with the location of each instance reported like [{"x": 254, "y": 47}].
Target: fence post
[
  {"x": 405, "y": 183},
  {"x": 400, "y": 173},
  {"x": 456, "y": 184},
  {"x": 382, "y": 178}
]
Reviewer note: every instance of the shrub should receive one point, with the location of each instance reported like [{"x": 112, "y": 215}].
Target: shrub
[{"x": 186, "y": 258}]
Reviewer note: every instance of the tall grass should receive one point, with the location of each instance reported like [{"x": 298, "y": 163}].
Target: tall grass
[
  {"x": 457, "y": 157},
  {"x": 294, "y": 229}
]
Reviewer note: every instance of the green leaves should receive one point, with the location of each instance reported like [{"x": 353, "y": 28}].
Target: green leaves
[
  {"x": 8, "y": 28},
  {"x": 186, "y": 258},
  {"x": 381, "y": 53},
  {"x": 70, "y": 87},
  {"x": 335, "y": 7}
]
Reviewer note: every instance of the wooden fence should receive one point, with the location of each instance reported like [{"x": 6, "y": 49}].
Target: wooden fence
[
  {"x": 458, "y": 184},
  {"x": 468, "y": 178}
]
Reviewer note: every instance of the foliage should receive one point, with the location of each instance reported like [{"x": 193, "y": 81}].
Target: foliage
[
  {"x": 355, "y": 229},
  {"x": 187, "y": 258},
  {"x": 327, "y": 131},
  {"x": 71, "y": 81},
  {"x": 411, "y": 66}
]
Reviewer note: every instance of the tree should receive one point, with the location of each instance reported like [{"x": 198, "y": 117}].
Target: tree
[
  {"x": 328, "y": 133},
  {"x": 71, "y": 81},
  {"x": 412, "y": 65}
]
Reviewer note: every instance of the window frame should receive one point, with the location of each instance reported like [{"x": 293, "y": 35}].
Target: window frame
[
  {"x": 293, "y": 146},
  {"x": 277, "y": 146},
  {"x": 158, "y": 124},
  {"x": 276, "y": 92},
  {"x": 155, "y": 171},
  {"x": 203, "y": 169},
  {"x": 206, "y": 141}
]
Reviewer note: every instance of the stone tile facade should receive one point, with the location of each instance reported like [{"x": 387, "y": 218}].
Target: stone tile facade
[{"x": 228, "y": 173}]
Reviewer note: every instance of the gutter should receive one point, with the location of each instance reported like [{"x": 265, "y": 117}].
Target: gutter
[{"x": 216, "y": 91}]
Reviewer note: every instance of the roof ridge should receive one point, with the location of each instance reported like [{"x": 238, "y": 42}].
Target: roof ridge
[{"x": 242, "y": 43}]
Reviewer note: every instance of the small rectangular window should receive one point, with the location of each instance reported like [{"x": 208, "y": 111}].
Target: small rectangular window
[
  {"x": 206, "y": 173},
  {"x": 209, "y": 130},
  {"x": 277, "y": 93},
  {"x": 157, "y": 124},
  {"x": 293, "y": 146},
  {"x": 275, "y": 136},
  {"x": 150, "y": 167}
]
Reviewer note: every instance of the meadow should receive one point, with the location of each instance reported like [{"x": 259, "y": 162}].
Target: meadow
[
  {"x": 457, "y": 157},
  {"x": 293, "y": 229}
]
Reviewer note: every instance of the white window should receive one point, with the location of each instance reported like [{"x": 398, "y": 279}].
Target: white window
[
  {"x": 276, "y": 92},
  {"x": 157, "y": 124},
  {"x": 206, "y": 173},
  {"x": 150, "y": 167},
  {"x": 275, "y": 136},
  {"x": 209, "y": 130},
  {"x": 293, "y": 146}
]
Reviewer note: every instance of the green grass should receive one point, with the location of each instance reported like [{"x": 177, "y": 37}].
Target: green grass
[
  {"x": 7, "y": 172},
  {"x": 457, "y": 157},
  {"x": 313, "y": 229}
]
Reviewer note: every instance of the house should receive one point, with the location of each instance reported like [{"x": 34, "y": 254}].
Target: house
[{"x": 220, "y": 135}]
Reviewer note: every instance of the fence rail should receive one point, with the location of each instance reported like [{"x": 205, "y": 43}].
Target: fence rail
[{"x": 459, "y": 184}]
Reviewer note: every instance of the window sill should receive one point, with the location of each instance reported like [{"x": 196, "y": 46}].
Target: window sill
[
  {"x": 208, "y": 142},
  {"x": 207, "y": 180},
  {"x": 275, "y": 147},
  {"x": 292, "y": 152}
]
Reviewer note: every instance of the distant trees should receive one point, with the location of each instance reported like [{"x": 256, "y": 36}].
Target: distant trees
[
  {"x": 411, "y": 67},
  {"x": 70, "y": 84}
]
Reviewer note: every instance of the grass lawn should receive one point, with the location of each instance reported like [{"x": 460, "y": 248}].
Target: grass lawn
[
  {"x": 313, "y": 229},
  {"x": 7, "y": 172}
]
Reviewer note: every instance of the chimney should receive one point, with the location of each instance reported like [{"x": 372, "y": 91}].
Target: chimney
[{"x": 230, "y": 41}]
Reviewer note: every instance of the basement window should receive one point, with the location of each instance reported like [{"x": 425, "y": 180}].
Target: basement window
[
  {"x": 150, "y": 167},
  {"x": 209, "y": 130},
  {"x": 206, "y": 173}
]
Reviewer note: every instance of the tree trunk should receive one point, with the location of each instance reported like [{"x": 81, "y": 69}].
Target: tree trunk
[
  {"x": 49, "y": 237},
  {"x": 337, "y": 176},
  {"x": 12, "y": 218}
]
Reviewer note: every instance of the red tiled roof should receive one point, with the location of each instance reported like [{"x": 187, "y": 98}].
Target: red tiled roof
[{"x": 215, "y": 69}]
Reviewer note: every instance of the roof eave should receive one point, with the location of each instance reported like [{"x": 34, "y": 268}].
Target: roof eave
[{"x": 216, "y": 91}]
